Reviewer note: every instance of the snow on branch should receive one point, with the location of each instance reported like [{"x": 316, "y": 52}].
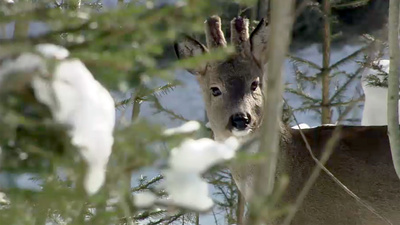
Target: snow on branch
[
  {"x": 75, "y": 99},
  {"x": 186, "y": 164},
  {"x": 189, "y": 127},
  {"x": 374, "y": 83}
]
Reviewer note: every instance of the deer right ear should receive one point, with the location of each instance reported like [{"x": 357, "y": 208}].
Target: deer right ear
[
  {"x": 190, "y": 47},
  {"x": 259, "y": 41}
]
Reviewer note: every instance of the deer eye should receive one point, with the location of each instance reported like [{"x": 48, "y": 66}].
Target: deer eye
[
  {"x": 255, "y": 85},
  {"x": 215, "y": 91}
]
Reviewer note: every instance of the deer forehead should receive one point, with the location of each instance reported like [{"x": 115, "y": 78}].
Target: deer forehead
[{"x": 234, "y": 72}]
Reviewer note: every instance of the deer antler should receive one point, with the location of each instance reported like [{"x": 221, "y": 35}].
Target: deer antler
[
  {"x": 240, "y": 33},
  {"x": 214, "y": 35}
]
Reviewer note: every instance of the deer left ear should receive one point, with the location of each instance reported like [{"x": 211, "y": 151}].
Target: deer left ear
[
  {"x": 259, "y": 41},
  {"x": 190, "y": 47}
]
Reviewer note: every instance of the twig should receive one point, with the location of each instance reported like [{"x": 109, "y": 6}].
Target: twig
[
  {"x": 215, "y": 217},
  {"x": 148, "y": 184}
]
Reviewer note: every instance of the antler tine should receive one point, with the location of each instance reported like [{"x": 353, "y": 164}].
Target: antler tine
[
  {"x": 214, "y": 35},
  {"x": 240, "y": 33}
]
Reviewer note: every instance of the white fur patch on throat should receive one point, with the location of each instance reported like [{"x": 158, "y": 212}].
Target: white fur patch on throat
[{"x": 241, "y": 133}]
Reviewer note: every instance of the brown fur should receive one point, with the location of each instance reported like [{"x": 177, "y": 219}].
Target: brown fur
[{"x": 361, "y": 160}]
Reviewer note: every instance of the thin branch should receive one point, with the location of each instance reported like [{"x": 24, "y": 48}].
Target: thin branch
[
  {"x": 148, "y": 184},
  {"x": 305, "y": 61},
  {"x": 352, "y": 55},
  {"x": 344, "y": 86},
  {"x": 215, "y": 217}
]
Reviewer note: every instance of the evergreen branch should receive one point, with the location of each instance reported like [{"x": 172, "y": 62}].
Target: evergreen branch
[
  {"x": 157, "y": 92},
  {"x": 146, "y": 215},
  {"x": 344, "y": 86},
  {"x": 303, "y": 61},
  {"x": 125, "y": 102},
  {"x": 302, "y": 94},
  {"x": 167, "y": 220},
  {"x": 161, "y": 108},
  {"x": 164, "y": 90},
  {"x": 361, "y": 98},
  {"x": 148, "y": 184},
  {"x": 349, "y": 57}
]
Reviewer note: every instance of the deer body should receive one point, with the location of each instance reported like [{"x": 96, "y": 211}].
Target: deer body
[{"x": 361, "y": 159}]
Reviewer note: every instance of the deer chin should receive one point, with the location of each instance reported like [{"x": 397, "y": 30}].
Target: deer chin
[{"x": 241, "y": 133}]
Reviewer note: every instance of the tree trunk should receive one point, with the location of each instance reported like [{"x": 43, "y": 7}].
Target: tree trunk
[
  {"x": 393, "y": 89},
  {"x": 280, "y": 33},
  {"x": 326, "y": 110}
]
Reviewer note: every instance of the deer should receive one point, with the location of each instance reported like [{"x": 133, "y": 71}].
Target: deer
[{"x": 233, "y": 95}]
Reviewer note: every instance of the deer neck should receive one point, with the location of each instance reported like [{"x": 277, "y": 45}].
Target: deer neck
[{"x": 244, "y": 173}]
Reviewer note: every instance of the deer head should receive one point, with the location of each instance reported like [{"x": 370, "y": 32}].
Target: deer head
[{"x": 232, "y": 88}]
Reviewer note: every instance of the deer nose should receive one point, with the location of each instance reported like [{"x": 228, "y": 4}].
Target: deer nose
[{"x": 240, "y": 121}]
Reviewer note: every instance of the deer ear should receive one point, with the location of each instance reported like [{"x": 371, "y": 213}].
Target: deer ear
[
  {"x": 259, "y": 40},
  {"x": 190, "y": 47}
]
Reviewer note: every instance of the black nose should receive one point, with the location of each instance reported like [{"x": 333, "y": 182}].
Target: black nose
[{"x": 240, "y": 121}]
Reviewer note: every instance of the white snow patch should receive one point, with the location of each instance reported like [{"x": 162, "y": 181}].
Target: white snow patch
[
  {"x": 76, "y": 99},
  {"x": 183, "y": 181},
  {"x": 187, "y": 127},
  {"x": 375, "y": 105},
  {"x": 301, "y": 126},
  {"x": 9, "y": 1},
  {"x": 198, "y": 155},
  {"x": 329, "y": 125},
  {"x": 187, "y": 190},
  {"x": 144, "y": 199},
  {"x": 52, "y": 51},
  {"x": 4, "y": 199}
]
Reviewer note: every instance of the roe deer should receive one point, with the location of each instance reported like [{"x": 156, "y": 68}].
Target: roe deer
[{"x": 361, "y": 159}]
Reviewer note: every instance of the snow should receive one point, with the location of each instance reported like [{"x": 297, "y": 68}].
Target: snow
[
  {"x": 182, "y": 179},
  {"x": 52, "y": 51},
  {"x": 144, "y": 199},
  {"x": 187, "y": 190},
  {"x": 4, "y": 199},
  {"x": 375, "y": 106},
  {"x": 188, "y": 127},
  {"x": 187, "y": 162},
  {"x": 8, "y": 1},
  {"x": 198, "y": 155},
  {"x": 76, "y": 99},
  {"x": 301, "y": 126}
]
